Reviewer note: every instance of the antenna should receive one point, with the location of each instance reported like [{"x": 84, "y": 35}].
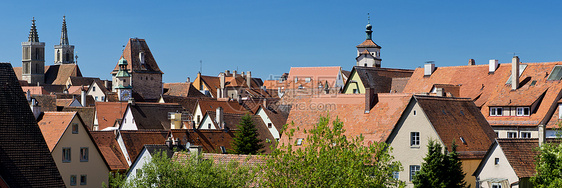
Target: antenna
[
  {"x": 200, "y": 66},
  {"x": 368, "y": 18}
]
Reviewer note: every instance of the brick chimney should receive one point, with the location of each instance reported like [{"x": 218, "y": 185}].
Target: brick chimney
[
  {"x": 249, "y": 79},
  {"x": 493, "y": 65},
  {"x": 428, "y": 69},
  {"x": 83, "y": 97},
  {"x": 370, "y": 99},
  {"x": 471, "y": 62},
  {"x": 514, "y": 73},
  {"x": 220, "y": 92},
  {"x": 542, "y": 136}
]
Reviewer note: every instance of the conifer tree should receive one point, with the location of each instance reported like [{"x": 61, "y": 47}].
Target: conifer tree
[
  {"x": 246, "y": 139},
  {"x": 439, "y": 169}
]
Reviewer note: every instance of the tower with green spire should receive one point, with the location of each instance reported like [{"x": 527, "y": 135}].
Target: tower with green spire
[
  {"x": 64, "y": 52},
  {"x": 123, "y": 81},
  {"x": 33, "y": 58},
  {"x": 368, "y": 52}
]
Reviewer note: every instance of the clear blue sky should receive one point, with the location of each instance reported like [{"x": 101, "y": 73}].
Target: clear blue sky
[{"x": 269, "y": 37}]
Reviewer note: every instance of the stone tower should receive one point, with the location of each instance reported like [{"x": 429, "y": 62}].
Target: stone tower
[
  {"x": 64, "y": 53},
  {"x": 33, "y": 58},
  {"x": 368, "y": 52}
]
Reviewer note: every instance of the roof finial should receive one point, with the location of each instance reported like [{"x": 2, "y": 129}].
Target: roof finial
[
  {"x": 33, "y": 37},
  {"x": 369, "y": 26}
]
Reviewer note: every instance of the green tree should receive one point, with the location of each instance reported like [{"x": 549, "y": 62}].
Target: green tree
[
  {"x": 330, "y": 159},
  {"x": 194, "y": 172},
  {"x": 439, "y": 169},
  {"x": 246, "y": 139},
  {"x": 548, "y": 166}
]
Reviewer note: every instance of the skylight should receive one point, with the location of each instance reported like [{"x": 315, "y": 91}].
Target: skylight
[
  {"x": 556, "y": 73},
  {"x": 521, "y": 69}
]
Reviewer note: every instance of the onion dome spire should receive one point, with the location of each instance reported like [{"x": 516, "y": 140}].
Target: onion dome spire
[
  {"x": 33, "y": 37},
  {"x": 368, "y": 27},
  {"x": 64, "y": 34}
]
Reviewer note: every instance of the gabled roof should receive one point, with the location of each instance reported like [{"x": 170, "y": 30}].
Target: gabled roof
[
  {"x": 209, "y": 140},
  {"x": 25, "y": 160},
  {"x": 521, "y": 155},
  {"x": 59, "y": 74},
  {"x": 46, "y": 102},
  {"x": 277, "y": 116},
  {"x": 181, "y": 89},
  {"x": 81, "y": 81},
  {"x": 86, "y": 113},
  {"x": 135, "y": 140},
  {"x": 153, "y": 115},
  {"x": 108, "y": 112},
  {"x": 64, "y": 102},
  {"x": 228, "y": 106},
  {"x": 100, "y": 85},
  {"x": 381, "y": 79},
  {"x": 53, "y": 125},
  {"x": 35, "y": 90},
  {"x": 188, "y": 103},
  {"x": 110, "y": 150},
  {"x": 350, "y": 109},
  {"x": 318, "y": 73},
  {"x": 131, "y": 54},
  {"x": 456, "y": 118},
  {"x": 368, "y": 44}
]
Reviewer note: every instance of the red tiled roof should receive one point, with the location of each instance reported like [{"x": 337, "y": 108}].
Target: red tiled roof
[
  {"x": 64, "y": 102},
  {"x": 243, "y": 160},
  {"x": 521, "y": 155},
  {"x": 350, "y": 109},
  {"x": 110, "y": 150},
  {"x": 210, "y": 140},
  {"x": 181, "y": 89},
  {"x": 108, "y": 112},
  {"x": 35, "y": 90},
  {"x": 135, "y": 140},
  {"x": 368, "y": 44},
  {"x": 456, "y": 118},
  {"x": 53, "y": 125},
  {"x": 228, "y": 106},
  {"x": 59, "y": 74},
  {"x": 131, "y": 54}
]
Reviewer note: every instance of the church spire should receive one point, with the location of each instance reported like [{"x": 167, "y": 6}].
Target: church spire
[
  {"x": 33, "y": 37},
  {"x": 369, "y": 26},
  {"x": 64, "y": 34}
]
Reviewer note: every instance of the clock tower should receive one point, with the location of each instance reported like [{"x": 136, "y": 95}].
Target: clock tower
[{"x": 123, "y": 81}]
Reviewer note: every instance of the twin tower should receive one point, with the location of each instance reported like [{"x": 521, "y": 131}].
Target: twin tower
[{"x": 33, "y": 54}]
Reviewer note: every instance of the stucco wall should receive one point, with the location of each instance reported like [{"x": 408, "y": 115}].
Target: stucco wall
[
  {"x": 266, "y": 120},
  {"x": 501, "y": 170},
  {"x": 357, "y": 85},
  {"x": 95, "y": 168},
  {"x": 128, "y": 121},
  {"x": 144, "y": 158}
]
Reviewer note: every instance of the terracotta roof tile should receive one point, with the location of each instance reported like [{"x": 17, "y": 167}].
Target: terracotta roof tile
[
  {"x": 210, "y": 140},
  {"x": 46, "y": 102},
  {"x": 35, "y": 90},
  {"x": 188, "y": 103},
  {"x": 181, "y": 89},
  {"x": 228, "y": 106},
  {"x": 108, "y": 112},
  {"x": 64, "y": 102},
  {"x": 59, "y": 74},
  {"x": 521, "y": 155},
  {"x": 369, "y": 44},
  {"x": 110, "y": 150},
  {"x": 86, "y": 113},
  {"x": 153, "y": 116},
  {"x": 135, "y": 140},
  {"x": 81, "y": 81},
  {"x": 53, "y": 125},
  {"x": 316, "y": 74},
  {"x": 381, "y": 79},
  {"x": 131, "y": 54},
  {"x": 25, "y": 160}
]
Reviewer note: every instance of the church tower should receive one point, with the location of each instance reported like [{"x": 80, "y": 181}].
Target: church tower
[
  {"x": 368, "y": 52},
  {"x": 33, "y": 58},
  {"x": 64, "y": 53}
]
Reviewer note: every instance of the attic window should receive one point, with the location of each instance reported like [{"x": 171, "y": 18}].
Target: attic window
[
  {"x": 497, "y": 161},
  {"x": 75, "y": 128},
  {"x": 269, "y": 125},
  {"x": 462, "y": 140},
  {"x": 523, "y": 111},
  {"x": 223, "y": 150},
  {"x": 556, "y": 73}
]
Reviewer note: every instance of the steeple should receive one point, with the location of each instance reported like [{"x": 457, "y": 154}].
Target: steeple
[
  {"x": 64, "y": 34},
  {"x": 33, "y": 37},
  {"x": 369, "y": 26},
  {"x": 368, "y": 52}
]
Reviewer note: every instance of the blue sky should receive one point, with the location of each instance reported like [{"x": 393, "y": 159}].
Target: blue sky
[{"x": 269, "y": 37}]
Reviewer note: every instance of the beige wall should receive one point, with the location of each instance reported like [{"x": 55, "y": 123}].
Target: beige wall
[
  {"x": 97, "y": 93},
  {"x": 503, "y": 170},
  {"x": 95, "y": 168},
  {"x": 357, "y": 85}
]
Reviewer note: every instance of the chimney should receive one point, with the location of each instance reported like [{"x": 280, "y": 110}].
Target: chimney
[
  {"x": 264, "y": 102},
  {"x": 542, "y": 136},
  {"x": 514, "y": 73},
  {"x": 200, "y": 81},
  {"x": 36, "y": 110},
  {"x": 493, "y": 65},
  {"x": 370, "y": 99},
  {"x": 83, "y": 97},
  {"x": 429, "y": 68},
  {"x": 239, "y": 99},
  {"x": 234, "y": 73},
  {"x": 227, "y": 72},
  {"x": 439, "y": 92},
  {"x": 28, "y": 95},
  {"x": 188, "y": 80},
  {"x": 471, "y": 62},
  {"x": 169, "y": 142},
  {"x": 220, "y": 117},
  {"x": 194, "y": 150},
  {"x": 249, "y": 79}
]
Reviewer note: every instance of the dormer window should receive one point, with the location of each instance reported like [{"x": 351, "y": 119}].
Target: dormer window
[
  {"x": 523, "y": 111},
  {"x": 496, "y": 111},
  {"x": 141, "y": 58}
]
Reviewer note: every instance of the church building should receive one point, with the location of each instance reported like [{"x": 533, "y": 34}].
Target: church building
[{"x": 368, "y": 52}]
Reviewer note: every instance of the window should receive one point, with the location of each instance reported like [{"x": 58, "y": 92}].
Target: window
[
  {"x": 198, "y": 119},
  {"x": 269, "y": 125},
  {"x": 306, "y": 80},
  {"x": 65, "y": 155},
  {"x": 497, "y": 161},
  {"x": 511, "y": 134},
  {"x": 497, "y": 133},
  {"x": 556, "y": 73},
  {"x": 414, "y": 138},
  {"x": 525, "y": 134},
  {"x": 413, "y": 170},
  {"x": 523, "y": 111},
  {"x": 496, "y": 111},
  {"x": 355, "y": 91},
  {"x": 496, "y": 185},
  {"x": 84, "y": 154},
  {"x": 72, "y": 179},
  {"x": 94, "y": 88},
  {"x": 96, "y": 98},
  {"x": 415, "y": 112},
  {"x": 75, "y": 128},
  {"x": 299, "y": 141},
  {"x": 102, "y": 98},
  {"x": 83, "y": 180},
  {"x": 396, "y": 175},
  {"x": 209, "y": 126}
]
